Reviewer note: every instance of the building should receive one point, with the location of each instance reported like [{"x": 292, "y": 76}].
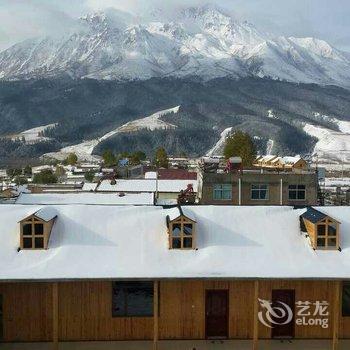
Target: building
[
  {"x": 165, "y": 191},
  {"x": 258, "y": 187},
  {"x": 73, "y": 273},
  {"x": 295, "y": 164}
]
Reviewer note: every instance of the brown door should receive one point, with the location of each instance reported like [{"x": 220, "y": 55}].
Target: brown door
[
  {"x": 216, "y": 311},
  {"x": 283, "y": 326}
]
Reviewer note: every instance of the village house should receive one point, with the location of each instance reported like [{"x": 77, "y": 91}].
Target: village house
[
  {"x": 239, "y": 186},
  {"x": 77, "y": 273},
  {"x": 295, "y": 164}
]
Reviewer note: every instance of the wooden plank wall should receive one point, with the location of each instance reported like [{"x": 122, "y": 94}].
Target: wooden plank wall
[
  {"x": 304, "y": 291},
  {"x": 85, "y": 313},
  {"x": 182, "y": 308},
  {"x": 27, "y": 311},
  {"x": 84, "y": 310}
]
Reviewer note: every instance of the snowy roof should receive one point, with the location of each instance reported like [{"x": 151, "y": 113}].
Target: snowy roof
[
  {"x": 89, "y": 186},
  {"x": 108, "y": 242},
  {"x": 45, "y": 213},
  {"x": 87, "y": 198},
  {"x": 146, "y": 185}
]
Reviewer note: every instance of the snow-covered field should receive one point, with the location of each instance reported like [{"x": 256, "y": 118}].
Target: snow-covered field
[
  {"x": 32, "y": 135},
  {"x": 84, "y": 150},
  {"x": 333, "y": 147}
]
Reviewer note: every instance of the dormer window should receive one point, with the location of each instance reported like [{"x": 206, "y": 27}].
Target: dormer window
[
  {"x": 322, "y": 229},
  {"x": 36, "y": 229},
  {"x": 181, "y": 230}
]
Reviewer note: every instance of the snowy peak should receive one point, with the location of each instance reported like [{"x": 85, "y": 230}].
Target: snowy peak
[{"x": 203, "y": 41}]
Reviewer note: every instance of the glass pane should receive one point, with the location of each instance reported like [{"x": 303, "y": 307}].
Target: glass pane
[
  {"x": 263, "y": 194},
  {"x": 301, "y": 187},
  {"x": 301, "y": 194},
  {"x": 39, "y": 229},
  {"x": 255, "y": 194},
  {"x": 187, "y": 242},
  {"x": 346, "y": 299},
  {"x": 332, "y": 229},
  {"x": 118, "y": 300},
  {"x": 188, "y": 229},
  {"x": 292, "y": 194},
  {"x": 27, "y": 229},
  {"x": 332, "y": 242},
  {"x": 227, "y": 194},
  {"x": 321, "y": 242},
  {"x": 292, "y": 187},
  {"x": 39, "y": 242},
  {"x": 176, "y": 243},
  {"x": 140, "y": 299},
  {"x": 176, "y": 230},
  {"x": 27, "y": 243},
  {"x": 321, "y": 230}
]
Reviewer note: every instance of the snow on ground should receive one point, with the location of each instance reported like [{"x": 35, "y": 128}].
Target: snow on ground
[
  {"x": 332, "y": 148},
  {"x": 333, "y": 182},
  {"x": 32, "y": 135},
  {"x": 218, "y": 147},
  {"x": 344, "y": 126},
  {"x": 84, "y": 150}
]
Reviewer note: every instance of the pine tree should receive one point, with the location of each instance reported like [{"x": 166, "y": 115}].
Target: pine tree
[
  {"x": 161, "y": 158},
  {"x": 241, "y": 145}
]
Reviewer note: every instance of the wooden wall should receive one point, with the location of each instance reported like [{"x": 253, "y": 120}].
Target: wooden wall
[
  {"x": 84, "y": 310},
  {"x": 85, "y": 313},
  {"x": 27, "y": 311},
  {"x": 304, "y": 291}
]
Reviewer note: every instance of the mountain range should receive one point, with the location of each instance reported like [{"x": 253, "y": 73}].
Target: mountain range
[
  {"x": 204, "y": 42},
  {"x": 98, "y": 86}
]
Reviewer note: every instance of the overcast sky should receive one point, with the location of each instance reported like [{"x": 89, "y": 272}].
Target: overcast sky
[{"x": 324, "y": 19}]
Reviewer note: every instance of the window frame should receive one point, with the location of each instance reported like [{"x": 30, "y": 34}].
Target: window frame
[
  {"x": 125, "y": 286},
  {"x": 267, "y": 189},
  {"x": 33, "y": 236},
  {"x": 326, "y": 223},
  {"x": 296, "y": 190},
  {"x": 182, "y": 221},
  {"x": 219, "y": 188}
]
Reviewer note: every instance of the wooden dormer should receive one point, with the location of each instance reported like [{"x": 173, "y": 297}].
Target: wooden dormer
[
  {"x": 35, "y": 229},
  {"x": 322, "y": 229},
  {"x": 181, "y": 229}
]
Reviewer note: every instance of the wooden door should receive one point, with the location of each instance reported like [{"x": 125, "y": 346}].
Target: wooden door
[
  {"x": 216, "y": 311},
  {"x": 281, "y": 330}
]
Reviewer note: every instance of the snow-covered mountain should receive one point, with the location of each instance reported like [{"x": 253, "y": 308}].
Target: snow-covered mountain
[{"x": 201, "y": 41}]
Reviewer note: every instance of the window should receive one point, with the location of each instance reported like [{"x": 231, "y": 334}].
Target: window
[
  {"x": 181, "y": 234},
  {"x": 260, "y": 192},
  {"x": 132, "y": 299},
  {"x": 222, "y": 192},
  {"x": 327, "y": 235},
  {"x": 33, "y": 234},
  {"x": 346, "y": 299},
  {"x": 297, "y": 192}
]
